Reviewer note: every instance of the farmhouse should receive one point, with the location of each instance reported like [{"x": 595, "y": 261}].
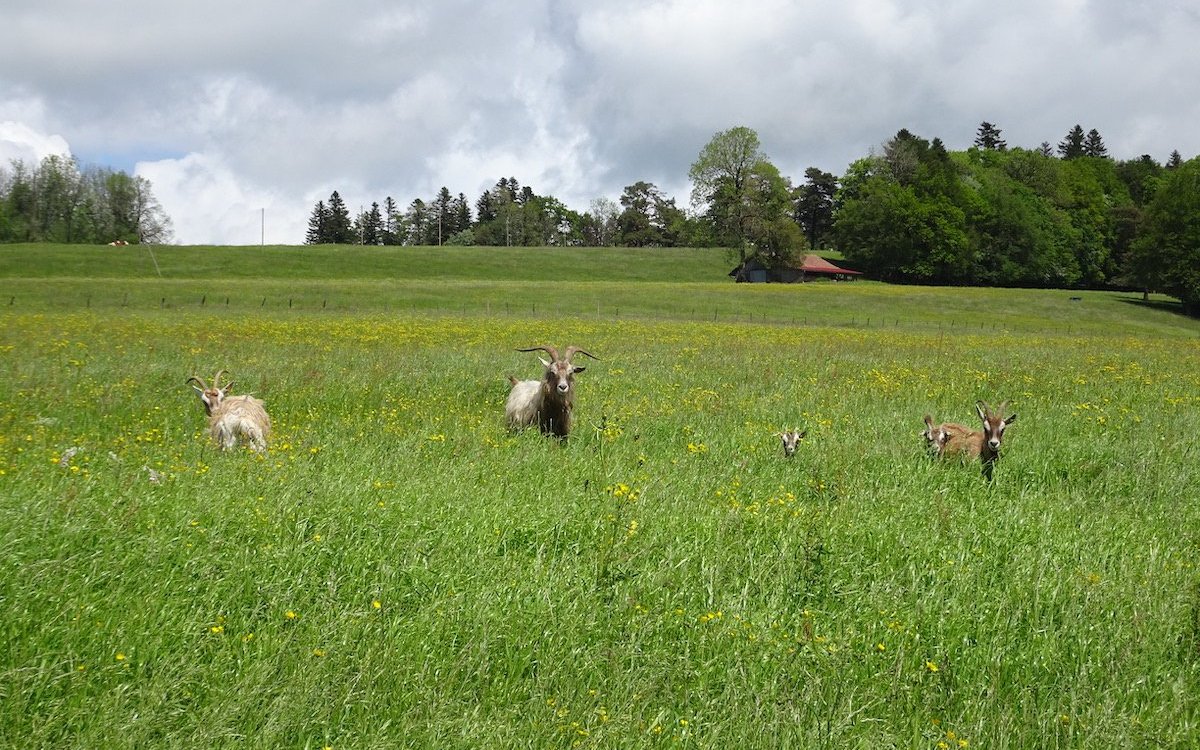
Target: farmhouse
[{"x": 810, "y": 268}]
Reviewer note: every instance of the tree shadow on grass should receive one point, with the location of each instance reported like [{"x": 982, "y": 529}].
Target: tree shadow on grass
[{"x": 1171, "y": 306}]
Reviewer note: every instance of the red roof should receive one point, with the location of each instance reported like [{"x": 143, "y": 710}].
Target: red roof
[{"x": 817, "y": 264}]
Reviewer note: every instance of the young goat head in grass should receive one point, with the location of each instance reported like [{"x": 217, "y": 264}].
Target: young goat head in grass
[
  {"x": 232, "y": 419},
  {"x": 982, "y": 444},
  {"x": 790, "y": 440},
  {"x": 936, "y": 436},
  {"x": 550, "y": 401}
]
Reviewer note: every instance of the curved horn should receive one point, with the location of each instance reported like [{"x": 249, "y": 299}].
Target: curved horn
[
  {"x": 217, "y": 379},
  {"x": 576, "y": 350},
  {"x": 547, "y": 349},
  {"x": 1003, "y": 405},
  {"x": 198, "y": 380}
]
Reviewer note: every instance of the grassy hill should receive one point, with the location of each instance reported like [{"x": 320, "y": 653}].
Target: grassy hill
[
  {"x": 607, "y": 283},
  {"x": 398, "y": 569}
]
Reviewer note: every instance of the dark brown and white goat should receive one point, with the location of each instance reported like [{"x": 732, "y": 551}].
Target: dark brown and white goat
[
  {"x": 233, "y": 419},
  {"x": 547, "y": 402},
  {"x": 982, "y": 444},
  {"x": 790, "y": 440}
]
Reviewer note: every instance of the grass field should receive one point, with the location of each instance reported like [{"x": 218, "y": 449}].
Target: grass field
[{"x": 400, "y": 571}]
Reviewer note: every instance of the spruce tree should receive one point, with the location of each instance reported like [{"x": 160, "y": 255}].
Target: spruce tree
[
  {"x": 317, "y": 224},
  {"x": 1093, "y": 145},
  {"x": 1174, "y": 160},
  {"x": 390, "y": 234},
  {"x": 339, "y": 230},
  {"x": 988, "y": 137},
  {"x": 1071, "y": 147}
]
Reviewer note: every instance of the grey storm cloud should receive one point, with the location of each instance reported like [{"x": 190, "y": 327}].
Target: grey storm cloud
[{"x": 235, "y": 108}]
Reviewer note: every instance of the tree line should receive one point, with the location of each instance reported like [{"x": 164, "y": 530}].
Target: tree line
[
  {"x": 1067, "y": 215},
  {"x": 59, "y": 201}
]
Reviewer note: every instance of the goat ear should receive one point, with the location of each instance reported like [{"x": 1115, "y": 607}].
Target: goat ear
[
  {"x": 800, "y": 435},
  {"x": 543, "y": 361},
  {"x": 929, "y": 421},
  {"x": 578, "y": 368},
  {"x": 198, "y": 389},
  {"x": 1010, "y": 419},
  {"x": 228, "y": 387}
]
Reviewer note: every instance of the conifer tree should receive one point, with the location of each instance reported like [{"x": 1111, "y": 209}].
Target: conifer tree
[
  {"x": 317, "y": 225},
  {"x": 338, "y": 229},
  {"x": 988, "y": 137},
  {"x": 1071, "y": 147},
  {"x": 1093, "y": 145}
]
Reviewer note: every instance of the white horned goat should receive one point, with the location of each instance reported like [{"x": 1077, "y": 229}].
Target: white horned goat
[
  {"x": 790, "y": 440},
  {"x": 982, "y": 444},
  {"x": 233, "y": 418},
  {"x": 547, "y": 402}
]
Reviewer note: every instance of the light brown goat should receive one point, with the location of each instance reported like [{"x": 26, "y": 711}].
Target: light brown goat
[
  {"x": 233, "y": 418},
  {"x": 982, "y": 444},
  {"x": 547, "y": 402},
  {"x": 936, "y": 436}
]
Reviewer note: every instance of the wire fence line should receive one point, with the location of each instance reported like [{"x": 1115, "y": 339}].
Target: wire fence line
[{"x": 218, "y": 303}]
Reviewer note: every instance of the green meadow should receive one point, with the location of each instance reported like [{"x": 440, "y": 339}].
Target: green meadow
[{"x": 399, "y": 570}]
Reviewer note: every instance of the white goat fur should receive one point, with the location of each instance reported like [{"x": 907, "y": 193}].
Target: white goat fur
[
  {"x": 233, "y": 419},
  {"x": 523, "y": 403}
]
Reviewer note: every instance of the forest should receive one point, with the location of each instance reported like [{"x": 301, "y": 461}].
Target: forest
[
  {"x": 1065, "y": 216},
  {"x": 911, "y": 211},
  {"x": 60, "y": 201}
]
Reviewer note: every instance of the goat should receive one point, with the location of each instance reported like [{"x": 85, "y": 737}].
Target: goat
[
  {"x": 548, "y": 401},
  {"x": 790, "y": 440},
  {"x": 936, "y": 436},
  {"x": 982, "y": 444},
  {"x": 233, "y": 418}
]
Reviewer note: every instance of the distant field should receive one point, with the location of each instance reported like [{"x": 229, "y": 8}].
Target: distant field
[
  {"x": 400, "y": 571},
  {"x": 609, "y": 283}
]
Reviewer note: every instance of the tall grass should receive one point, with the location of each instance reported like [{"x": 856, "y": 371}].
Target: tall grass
[{"x": 398, "y": 570}]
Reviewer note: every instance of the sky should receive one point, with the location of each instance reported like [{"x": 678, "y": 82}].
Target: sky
[{"x": 242, "y": 115}]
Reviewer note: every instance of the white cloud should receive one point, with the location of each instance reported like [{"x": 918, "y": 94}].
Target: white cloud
[
  {"x": 19, "y": 142},
  {"x": 209, "y": 204},
  {"x": 230, "y": 108}
]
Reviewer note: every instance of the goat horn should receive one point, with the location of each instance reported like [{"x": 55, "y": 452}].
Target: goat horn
[
  {"x": 217, "y": 379},
  {"x": 547, "y": 349},
  {"x": 576, "y": 350},
  {"x": 198, "y": 380}
]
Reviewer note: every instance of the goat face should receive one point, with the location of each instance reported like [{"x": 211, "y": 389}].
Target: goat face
[
  {"x": 210, "y": 396},
  {"x": 560, "y": 376},
  {"x": 934, "y": 435},
  {"x": 994, "y": 423},
  {"x": 790, "y": 440}
]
